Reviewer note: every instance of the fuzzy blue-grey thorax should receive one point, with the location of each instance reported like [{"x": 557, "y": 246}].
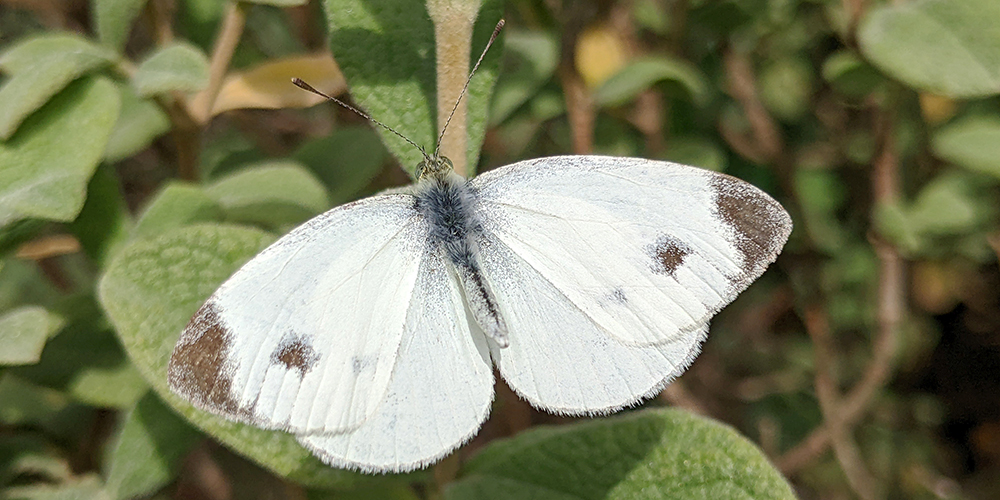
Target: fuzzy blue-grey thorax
[{"x": 448, "y": 204}]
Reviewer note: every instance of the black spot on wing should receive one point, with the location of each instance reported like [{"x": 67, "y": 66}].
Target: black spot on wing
[
  {"x": 668, "y": 254},
  {"x": 295, "y": 352}
]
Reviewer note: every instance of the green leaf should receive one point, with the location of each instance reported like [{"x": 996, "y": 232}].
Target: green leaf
[
  {"x": 86, "y": 361},
  {"x": 113, "y": 20},
  {"x": 951, "y": 204},
  {"x": 22, "y": 283},
  {"x": 385, "y": 49},
  {"x": 41, "y": 67},
  {"x": 644, "y": 72},
  {"x": 947, "y": 47},
  {"x": 659, "y": 453},
  {"x": 23, "y": 332},
  {"x": 148, "y": 450},
  {"x": 279, "y": 3},
  {"x": 850, "y": 75},
  {"x": 530, "y": 60},
  {"x": 25, "y": 404},
  {"x": 346, "y": 161},
  {"x": 104, "y": 220},
  {"x": 45, "y": 167},
  {"x": 698, "y": 151},
  {"x": 177, "y": 67},
  {"x": 786, "y": 87},
  {"x": 150, "y": 291},
  {"x": 29, "y": 454},
  {"x": 87, "y": 487},
  {"x": 177, "y": 204},
  {"x": 973, "y": 143},
  {"x": 140, "y": 122},
  {"x": 274, "y": 194}
]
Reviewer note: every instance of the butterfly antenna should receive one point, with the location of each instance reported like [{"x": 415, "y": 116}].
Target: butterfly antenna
[
  {"x": 493, "y": 37},
  {"x": 309, "y": 88}
]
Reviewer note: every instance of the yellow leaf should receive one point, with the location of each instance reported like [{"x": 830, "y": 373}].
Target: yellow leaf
[
  {"x": 269, "y": 85},
  {"x": 936, "y": 108},
  {"x": 600, "y": 53}
]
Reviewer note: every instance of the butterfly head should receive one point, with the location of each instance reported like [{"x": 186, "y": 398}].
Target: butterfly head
[{"x": 434, "y": 167}]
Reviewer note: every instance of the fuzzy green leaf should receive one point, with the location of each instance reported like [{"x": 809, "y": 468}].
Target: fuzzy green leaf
[
  {"x": 273, "y": 194},
  {"x": 150, "y": 291},
  {"x": 533, "y": 57},
  {"x": 178, "y": 67},
  {"x": 45, "y": 167},
  {"x": 104, "y": 220},
  {"x": 660, "y": 453},
  {"x": 947, "y": 47},
  {"x": 176, "y": 205},
  {"x": 148, "y": 450},
  {"x": 973, "y": 143},
  {"x": 40, "y": 68},
  {"x": 346, "y": 161},
  {"x": 140, "y": 122},
  {"x": 23, "y": 332},
  {"x": 113, "y": 20},
  {"x": 87, "y": 487},
  {"x": 385, "y": 49},
  {"x": 642, "y": 73}
]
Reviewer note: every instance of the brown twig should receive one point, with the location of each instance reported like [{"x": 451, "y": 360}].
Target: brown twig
[
  {"x": 222, "y": 53},
  {"x": 891, "y": 309},
  {"x": 159, "y": 14},
  {"x": 844, "y": 447},
  {"x": 767, "y": 137}
]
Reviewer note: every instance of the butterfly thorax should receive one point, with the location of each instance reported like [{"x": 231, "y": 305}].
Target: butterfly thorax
[{"x": 448, "y": 205}]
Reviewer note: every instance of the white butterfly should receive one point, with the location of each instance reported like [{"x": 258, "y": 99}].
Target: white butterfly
[{"x": 372, "y": 330}]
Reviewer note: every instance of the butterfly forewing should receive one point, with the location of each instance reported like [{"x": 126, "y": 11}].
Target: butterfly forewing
[
  {"x": 440, "y": 392},
  {"x": 646, "y": 250},
  {"x": 304, "y": 336}
]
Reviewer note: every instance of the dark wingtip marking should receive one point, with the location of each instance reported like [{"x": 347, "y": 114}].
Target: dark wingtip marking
[
  {"x": 669, "y": 254},
  {"x": 295, "y": 352},
  {"x": 197, "y": 366},
  {"x": 760, "y": 225}
]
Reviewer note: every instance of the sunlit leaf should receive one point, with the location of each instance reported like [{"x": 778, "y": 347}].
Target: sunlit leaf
[
  {"x": 646, "y": 454},
  {"x": 44, "y": 169},
  {"x": 946, "y": 47},
  {"x": 113, "y": 20},
  {"x": 973, "y": 143},
  {"x": 40, "y": 68},
  {"x": 274, "y": 194},
  {"x": 385, "y": 49},
  {"x": 23, "y": 332},
  {"x": 178, "y": 67},
  {"x": 642, "y": 73},
  {"x": 150, "y": 291}
]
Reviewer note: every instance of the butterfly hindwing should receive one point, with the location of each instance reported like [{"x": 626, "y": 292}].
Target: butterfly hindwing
[
  {"x": 304, "y": 337},
  {"x": 647, "y": 250},
  {"x": 559, "y": 359},
  {"x": 441, "y": 388}
]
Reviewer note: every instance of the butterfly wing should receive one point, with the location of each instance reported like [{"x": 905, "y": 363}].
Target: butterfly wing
[
  {"x": 440, "y": 392},
  {"x": 647, "y": 250},
  {"x": 304, "y": 337},
  {"x": 558, "y": 358}
]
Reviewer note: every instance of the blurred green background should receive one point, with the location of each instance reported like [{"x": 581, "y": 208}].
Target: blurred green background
[{"x": 148, "y": 147}]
